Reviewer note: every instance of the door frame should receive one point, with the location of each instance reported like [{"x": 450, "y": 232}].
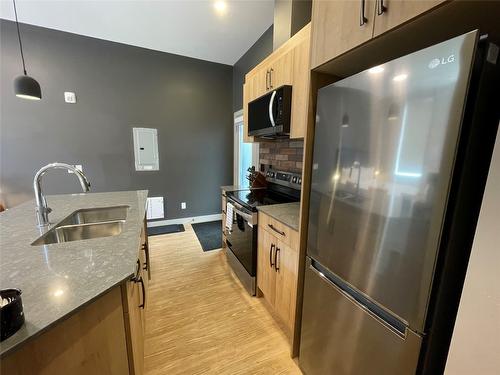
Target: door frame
[{"x": 238, "y": 119}]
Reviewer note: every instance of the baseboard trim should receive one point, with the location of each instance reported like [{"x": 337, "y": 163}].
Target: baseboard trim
[{"x": 185, "y": 220}]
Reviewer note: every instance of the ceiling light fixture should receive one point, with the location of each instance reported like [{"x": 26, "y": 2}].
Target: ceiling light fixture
[
  {"x": 25, "y": 87},
  {"x": 220, "y": 6},
  {"x": 375, "y": 70},
  {"x": 400, "y": 77}
]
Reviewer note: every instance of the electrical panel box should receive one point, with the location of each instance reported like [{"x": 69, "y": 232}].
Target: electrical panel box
[
  {"x": 146, "y": 149},
  {"x": 155, "y": 208}
]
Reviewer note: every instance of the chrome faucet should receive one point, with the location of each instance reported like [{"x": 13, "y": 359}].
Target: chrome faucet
[{"x": 42, "y": 211}]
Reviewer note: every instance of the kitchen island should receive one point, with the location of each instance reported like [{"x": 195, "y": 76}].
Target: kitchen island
[{"x": 75, "y": 283}]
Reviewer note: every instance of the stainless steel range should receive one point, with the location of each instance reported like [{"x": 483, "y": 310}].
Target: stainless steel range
[{"x": 241, "y": 226}]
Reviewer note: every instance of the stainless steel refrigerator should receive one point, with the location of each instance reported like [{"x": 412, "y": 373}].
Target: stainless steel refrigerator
[{"x": 401, "y": 154}]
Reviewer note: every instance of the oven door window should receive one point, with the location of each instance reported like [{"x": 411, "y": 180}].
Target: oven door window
[{"x": 242, "y": 242}]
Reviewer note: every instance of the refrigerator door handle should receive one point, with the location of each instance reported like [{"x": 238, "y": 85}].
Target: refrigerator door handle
[{"x": 389, "y": 320}]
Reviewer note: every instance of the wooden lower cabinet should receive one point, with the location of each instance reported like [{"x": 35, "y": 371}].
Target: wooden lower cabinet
[
  {"x": 134, "y": 325},
  {"x": 286, "y": 283},
  {"x": 277, "y": 272},
  {"x": 266, "y": 275},
  {"x": 92, "y": 341},
  {"x": 105, "y": 337}
]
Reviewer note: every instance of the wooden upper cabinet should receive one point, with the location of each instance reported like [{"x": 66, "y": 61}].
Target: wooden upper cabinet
[
  {"x": 300, "y": 90},
  {"x": 281, "y": 71},
  {"x": 288, "y": 65},
  {"x": 396, "y": 12},
  {"x": 337, "y": 27}
]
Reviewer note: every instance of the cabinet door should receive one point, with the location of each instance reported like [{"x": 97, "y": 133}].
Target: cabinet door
[
  {"x": 396, "y": 12},
  {"x": 266, "y": 275},
  {"x": 286, "y": 283},
  {"x": 280, "y": 70},
  {"x": 134, "y": 327},
  {"x": 300, "y": 92},
  {"x": 336, "y": 27}
]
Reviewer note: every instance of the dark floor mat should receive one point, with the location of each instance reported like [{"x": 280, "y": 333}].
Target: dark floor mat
[
  {"x": 209, "y": 234},
  {"x": 165, "y": 229}
]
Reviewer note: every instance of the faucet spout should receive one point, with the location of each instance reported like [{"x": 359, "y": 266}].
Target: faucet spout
[{"x": 42, "y": 211}]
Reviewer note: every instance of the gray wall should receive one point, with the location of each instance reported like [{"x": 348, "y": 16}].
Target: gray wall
[
  {"x": 117, "y": 87},
  {"x": 255, "y": 54}
]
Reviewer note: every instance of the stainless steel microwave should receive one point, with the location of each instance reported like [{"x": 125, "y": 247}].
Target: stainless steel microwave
[{"x": 269, "y": 115}]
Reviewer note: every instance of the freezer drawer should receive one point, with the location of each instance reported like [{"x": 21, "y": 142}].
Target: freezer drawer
[{"x": 341, "y": 336}]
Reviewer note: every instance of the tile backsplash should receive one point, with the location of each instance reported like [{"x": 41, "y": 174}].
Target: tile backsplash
[{"x": 284, "y": 155}]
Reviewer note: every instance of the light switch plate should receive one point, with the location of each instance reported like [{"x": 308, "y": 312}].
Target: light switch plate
[{"x": 69, "y": 97}]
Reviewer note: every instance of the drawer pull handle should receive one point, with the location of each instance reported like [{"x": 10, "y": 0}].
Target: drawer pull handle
[
  {"x": 276, "y": 230},
  {"x": 381, "y": 8},
  {"x": 362, "y": 18}
]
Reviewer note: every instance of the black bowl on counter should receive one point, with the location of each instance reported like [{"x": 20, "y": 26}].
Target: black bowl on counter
[{"x": 11, "y": 312}]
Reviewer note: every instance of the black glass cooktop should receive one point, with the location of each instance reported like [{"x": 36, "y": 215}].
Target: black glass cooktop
[{"x": 251, "y": 199}]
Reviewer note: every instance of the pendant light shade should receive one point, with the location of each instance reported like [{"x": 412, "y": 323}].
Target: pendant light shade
[{"x": 27, "y": 87}]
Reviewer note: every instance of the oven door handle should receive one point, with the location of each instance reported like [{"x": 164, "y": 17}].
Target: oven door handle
[{"x": 244, "y": 215}]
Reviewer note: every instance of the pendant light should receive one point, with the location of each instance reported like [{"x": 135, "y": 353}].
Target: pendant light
[{"x": 25, "y": 87}]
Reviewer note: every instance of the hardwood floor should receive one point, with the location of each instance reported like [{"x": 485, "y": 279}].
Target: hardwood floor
[{"x": 200, "y": 320}]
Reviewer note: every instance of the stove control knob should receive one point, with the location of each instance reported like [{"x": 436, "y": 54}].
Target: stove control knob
[{"x": 299, "y": 180}]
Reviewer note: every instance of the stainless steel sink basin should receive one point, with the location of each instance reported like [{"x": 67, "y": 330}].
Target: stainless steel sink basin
[
  {"x": 95, "y": 215},
  {"x": 85, "y": 224},
  {"x": 68, "y": 233}
]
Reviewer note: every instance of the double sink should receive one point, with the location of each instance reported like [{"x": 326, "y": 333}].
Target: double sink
[{"x": 85, "y": 224}]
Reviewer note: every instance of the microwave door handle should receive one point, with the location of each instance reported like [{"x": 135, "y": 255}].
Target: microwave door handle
[{"x": 271, "y": 105}]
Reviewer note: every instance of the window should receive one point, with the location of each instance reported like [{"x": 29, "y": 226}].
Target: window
[{"x": 245, "y": 154}]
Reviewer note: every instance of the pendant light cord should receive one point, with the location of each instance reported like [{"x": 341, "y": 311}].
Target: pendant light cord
[{"x": 19, "y": 37}]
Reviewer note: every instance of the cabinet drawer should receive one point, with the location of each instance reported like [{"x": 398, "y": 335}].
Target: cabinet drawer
[{"x": 279, "y": 230}]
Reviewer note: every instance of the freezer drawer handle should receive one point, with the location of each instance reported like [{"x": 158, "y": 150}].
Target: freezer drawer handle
[
  {"x": 276, "y": 230},
  {"x": 395, "y": 324}
]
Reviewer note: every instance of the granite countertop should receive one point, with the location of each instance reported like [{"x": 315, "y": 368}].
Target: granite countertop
[
  {"x": 286, "y": 213},
  {"x": 58, "y": 279}
]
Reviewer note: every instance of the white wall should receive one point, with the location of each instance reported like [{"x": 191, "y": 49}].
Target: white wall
[{"x": 475, "y": 346}]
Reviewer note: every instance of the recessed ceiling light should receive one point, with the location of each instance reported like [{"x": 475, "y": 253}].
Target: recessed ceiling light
[
  {"x": 220, "y": 6},
  {"x": 400, "y": 77},
  {"x": 376, "y": 69}
]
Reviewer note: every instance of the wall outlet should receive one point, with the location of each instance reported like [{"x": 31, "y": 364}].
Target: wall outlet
[
  {"x": 183, "y": 205},
  {"x": 77, "y": 166},
  {"x": 69, "y": 97}
]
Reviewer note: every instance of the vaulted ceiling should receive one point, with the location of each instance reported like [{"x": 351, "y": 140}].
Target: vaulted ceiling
[{"x": 219, "y": 31}]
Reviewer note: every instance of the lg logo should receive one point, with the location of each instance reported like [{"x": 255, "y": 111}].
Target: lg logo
[{"x": 434, "y": 63}]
